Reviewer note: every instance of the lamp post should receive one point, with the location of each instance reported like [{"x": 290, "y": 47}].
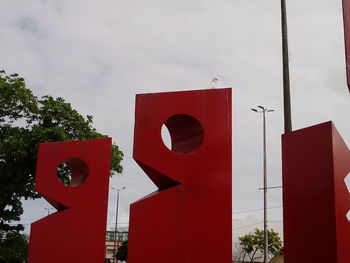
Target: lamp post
[
  {"x": 48, "y": 210},
  {"x": 116, "y": 224},
  {"x": 263, "y": 110}
]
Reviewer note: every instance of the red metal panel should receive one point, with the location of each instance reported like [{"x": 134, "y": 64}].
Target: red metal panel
[
  {"x": 346, "y": 16},
  {"x": 315, "y": 197},
  {"x": 77, "y": 232},
  {"x": 190, "y": 216}
]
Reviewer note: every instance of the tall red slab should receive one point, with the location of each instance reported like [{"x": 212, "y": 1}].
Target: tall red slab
[
  {"x": 77, "y": 231},
  {"x": 190, "y": 216},
  {"x": 315, "y": 197},
  {"x": 346, "y": 17}
]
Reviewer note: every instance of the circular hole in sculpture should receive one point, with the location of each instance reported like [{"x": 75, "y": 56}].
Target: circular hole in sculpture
[
  {"x": 72, "y": 172},
  {"x": 182, "y": 134}
]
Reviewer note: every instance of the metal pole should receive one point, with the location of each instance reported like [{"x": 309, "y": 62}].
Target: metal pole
[
  {"x": 116, "y": 230},
  {"x": 265, "y": 189},
  {"x": 116, "y": 226},
  {"x": 286, "y": 81},
  {"x": 263, "y": 110}
]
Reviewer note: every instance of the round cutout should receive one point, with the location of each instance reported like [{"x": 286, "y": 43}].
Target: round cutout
[
  {"x": 72, "y": 172},
  {"x": 182, "y": 134}
]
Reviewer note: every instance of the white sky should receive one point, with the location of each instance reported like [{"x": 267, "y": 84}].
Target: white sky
[{"x": 99, "y": 54}]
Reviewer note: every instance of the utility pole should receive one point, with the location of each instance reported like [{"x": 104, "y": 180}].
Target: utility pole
[
  {"x": 116, "y": 225},
  {"x": 263, "y": 110},
  {"x": 286, "y": 79}
]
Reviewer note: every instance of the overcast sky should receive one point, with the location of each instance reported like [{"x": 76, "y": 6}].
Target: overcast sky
[{"x": 99, "y": 54}]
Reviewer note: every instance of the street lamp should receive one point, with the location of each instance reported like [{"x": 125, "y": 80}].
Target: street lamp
[
  {"x": 263, "y": 110},
  {"x": 116, "y": 224},
  {"x": 48, "y": 210}
]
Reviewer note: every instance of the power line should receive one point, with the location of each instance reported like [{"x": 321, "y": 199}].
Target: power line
[
  {"x": 254, "y": 210},
  {"x": 27, "y": 224},
  {"x": 270, "y": 221},
  {"x": 235, "y": 228},
  {"x": 126, "y": 223},
  {"x": 118, "y": 223}
]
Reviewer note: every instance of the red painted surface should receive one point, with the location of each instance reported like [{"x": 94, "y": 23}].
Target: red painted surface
[
  {"x": 315, "y": 197},
  {"x": 177, "y": 223},
  {"x": 76, "y": 233},
  {"x": 346, "y": 16}
]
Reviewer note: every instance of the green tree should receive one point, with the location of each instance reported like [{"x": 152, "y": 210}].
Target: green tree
[
  {"x": 122, "y": 253},
  {"x": 26, "y": 121},
  {"x": 13, "y": 247},
  {"x": 252, "y": 245}
]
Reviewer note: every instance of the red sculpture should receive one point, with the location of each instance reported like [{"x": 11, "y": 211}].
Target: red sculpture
[
  {"x": 77, "y": 231},
  {"x": 346, "y": 15},
  {"x": 190, "y": 215},
  {"x": 315, "y": 197}
]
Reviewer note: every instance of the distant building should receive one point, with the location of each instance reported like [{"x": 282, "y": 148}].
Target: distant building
[{"x": 113, "y": 243}]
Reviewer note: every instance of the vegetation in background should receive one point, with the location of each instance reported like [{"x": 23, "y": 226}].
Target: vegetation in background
[
  {"x": 251, "y": 246},
  {"x": 26, "y": 121},
  {"x": 122, "y": 253},
  {"x": 13, "y": 247}
]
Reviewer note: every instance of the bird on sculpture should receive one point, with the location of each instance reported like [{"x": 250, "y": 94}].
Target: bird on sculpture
[{"x": 213, "y": 83}]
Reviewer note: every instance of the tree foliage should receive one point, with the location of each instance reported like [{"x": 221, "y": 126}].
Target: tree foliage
[
  {"x": 13, "y": 247},
  {"x": 26, "y": 121},
  {"x": 252, "y": 245},
  {"x": 122, "y": 253}
]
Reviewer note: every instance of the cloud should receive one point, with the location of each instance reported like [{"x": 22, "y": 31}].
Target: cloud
[{"x": 98, "y": 55}]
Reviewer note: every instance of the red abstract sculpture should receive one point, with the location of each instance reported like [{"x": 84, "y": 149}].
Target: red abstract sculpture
[
  {"x": 77, "y": 231},
  {"x": 346, "y": 15},
  {"x": 193, "y": 203},
  {"x": 315, "y": 197}
]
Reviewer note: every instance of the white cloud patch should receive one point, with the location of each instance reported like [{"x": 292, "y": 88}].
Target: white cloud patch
[{"x": 99, "y": 54}]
